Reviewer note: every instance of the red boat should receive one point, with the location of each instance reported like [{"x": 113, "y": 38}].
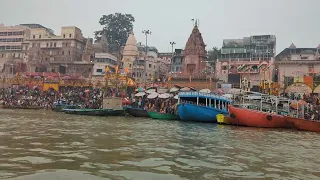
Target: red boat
[
  {"x": 303, "y": 124},
  {"x": 254, "y": 118}
]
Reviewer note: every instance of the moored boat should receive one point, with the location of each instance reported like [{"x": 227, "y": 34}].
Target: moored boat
[
  {"x": 201, "y": 107},
  {"x": 136, "y": 112},
  {"x": 163, "y": 116},
  {"x": 303, "y": 124},
  {"x": 90, "y": 112},
  {"x": 255, "y": 118},
  {"x": 115, "y": 112},
  {"x": 59, "y": 108}
]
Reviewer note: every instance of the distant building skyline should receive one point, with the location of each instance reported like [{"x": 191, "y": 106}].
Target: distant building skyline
[{"x": 291, "y": 21}]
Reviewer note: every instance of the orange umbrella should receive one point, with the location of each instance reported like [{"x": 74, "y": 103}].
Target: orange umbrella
[{"x": 302, "y": 102}]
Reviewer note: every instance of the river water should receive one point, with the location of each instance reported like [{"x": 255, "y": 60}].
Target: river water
[{"x": 48, "y": 145}]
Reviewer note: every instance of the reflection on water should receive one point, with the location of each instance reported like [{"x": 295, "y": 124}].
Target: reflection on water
[{"x": 47, "y": 145}]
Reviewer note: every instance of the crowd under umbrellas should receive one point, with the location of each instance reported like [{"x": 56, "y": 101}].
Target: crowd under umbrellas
[{"x": 155, "y": 99}]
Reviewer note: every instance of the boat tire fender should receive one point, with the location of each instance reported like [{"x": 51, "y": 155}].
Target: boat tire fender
[
  {"x": 269, "y": 117},
  {"x": 232, "y": 115}
]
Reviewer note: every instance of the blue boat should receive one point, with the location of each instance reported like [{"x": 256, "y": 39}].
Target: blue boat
[{"x": 201, "y": 107}]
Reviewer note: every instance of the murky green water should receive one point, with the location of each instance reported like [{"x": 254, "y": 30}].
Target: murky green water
[{"x": 47, "y": 145}]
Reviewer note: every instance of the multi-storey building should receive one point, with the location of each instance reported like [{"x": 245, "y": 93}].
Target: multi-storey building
[
  {"x": 176, "y": 62},
  {"x": 56, "y": 53},
  {"x": 101, "y": 61},
  {"x": 298, "y": 65},
  {"x": 11, "y": 40},
  {"x": 245, "y": 58},
  {"x": 164, "y": 65}
]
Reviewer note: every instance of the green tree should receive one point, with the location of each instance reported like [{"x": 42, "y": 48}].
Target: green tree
[
  {"x": 117, "y": 28},
  {"x": 213, "y": 56}
]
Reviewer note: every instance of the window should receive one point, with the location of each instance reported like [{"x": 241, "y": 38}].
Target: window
[
  {"x": 64, "y": 36},
  {"x": 62, "y": 52},
  {"x": 47, "y": 44},
  {"x": 54, "y": 44},
  {"x": 99, "y": 70},
  {"x": 154, "y": 66},
  {"x": 69, "y": 35},
  {"x": 39, "y": 36},
  {"x": 50, "y": 44},
  {"x": 129, "y": 65},
  {"x": 69, "y": 52},
  {"x": 34, "y": 36},
  {"x": 2, "y": 55},
  {"x": 149, "y": 65}
]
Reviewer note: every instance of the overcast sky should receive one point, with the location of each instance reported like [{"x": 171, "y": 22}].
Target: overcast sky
[{"x": 294, "y": 21}]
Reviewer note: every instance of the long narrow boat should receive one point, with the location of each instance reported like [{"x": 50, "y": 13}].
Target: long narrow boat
[
  {"x": 303, "y": 124},
  {"x": 115, "y": 112},
  {"x": 60, "y": 107},
  {"x": 254, "y": 118},
  {"x": 137, "y": 112},
  {"x": 163, "y": 116},
  {"x": 201, "y": 107},
  {"x": 90, "y": 112}
]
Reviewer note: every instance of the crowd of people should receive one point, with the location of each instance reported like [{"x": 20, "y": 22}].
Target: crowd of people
[{"x": 24, "y": 96}]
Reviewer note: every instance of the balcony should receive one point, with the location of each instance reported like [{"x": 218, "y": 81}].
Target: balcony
[{"x": 252, "y": 71}]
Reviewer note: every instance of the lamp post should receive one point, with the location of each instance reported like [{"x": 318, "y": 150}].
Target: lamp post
[
  {"x": 172, "y": 44},
  {"x": 146, "y": 33}
]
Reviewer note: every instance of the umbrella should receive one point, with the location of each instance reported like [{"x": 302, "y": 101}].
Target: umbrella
[
  {"x": 185, "y": 89},
  {"x": 37, "y": 77},
  {"x": 139, "y": 94},
  {"x": 162, "y": 91},
  {"x": 149, "y": 91},
  {"x": 218, "y": 91},
  {"x": 174, "y": 89},
  {"x": 205, "y": 91},
  {"x": 296, "y": 104},
  {"x": 192, "y": 88},
  {"x": 175, "y": 97},
  {"x": 152, "y": 96},
  {"x": 230, "y": 96},
  {"x": 164, "y": 96},
  {"x": 152, "y": 87},
  {"x": 87, "y": 90},
  {"x": 234, "y": 91}
]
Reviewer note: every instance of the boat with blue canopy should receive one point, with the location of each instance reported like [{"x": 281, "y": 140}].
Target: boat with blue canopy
[{"x": 201, "y": 106}]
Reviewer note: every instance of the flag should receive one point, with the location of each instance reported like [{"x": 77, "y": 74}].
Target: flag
[
  {"x": 107, "y": 69},
  {"x": 17, "y": 74},
  {"x": 169, "y": 78},
  {"x": 126, "y": 70},
  {"x": 116, "y": 68}
]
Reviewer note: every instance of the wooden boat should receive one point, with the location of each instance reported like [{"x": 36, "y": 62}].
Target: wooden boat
[
  {"x": 303, "y": 124},
  {"x": 21, "y": 107},
  {"x": 164, "y": 116},
  {"x": 115, "y": 112},
  {"x": 59, "y": 108},
  {"x": 136, "y": 112},
  {"x": 90, "y": 112},
  {"x": 255, "y": 118}
]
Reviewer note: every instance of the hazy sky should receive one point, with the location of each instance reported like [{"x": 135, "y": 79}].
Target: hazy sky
[{"x": 294, "y": 21}]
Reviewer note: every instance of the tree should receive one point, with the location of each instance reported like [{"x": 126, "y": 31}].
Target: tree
[
  {"x": 213, "y": 56},
  {"x": 117, "y": 28}
]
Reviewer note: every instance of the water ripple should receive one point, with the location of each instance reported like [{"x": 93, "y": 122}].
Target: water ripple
[{"x": 50, "y": 145}]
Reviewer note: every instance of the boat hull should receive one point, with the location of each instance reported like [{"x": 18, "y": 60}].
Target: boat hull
[
  {"x": 137, "y": 112},
  {"x": 303, "y": 124},
  {"x": 115, "y": 112},
  {"x": 163, "y": 116},
  {"x": 254, "y": 118},
  {"x": 88, "y": 112},
  {"x": 59, "y": 108},
  {"x": 190, "y": 112}
]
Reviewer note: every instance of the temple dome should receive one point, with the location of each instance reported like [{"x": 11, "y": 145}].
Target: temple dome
[
  {"x": 130, "y": 49},
  {"x": 195, "y": 44}
]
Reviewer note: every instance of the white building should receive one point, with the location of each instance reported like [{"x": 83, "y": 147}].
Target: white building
[{"x": 102, "y": 60}]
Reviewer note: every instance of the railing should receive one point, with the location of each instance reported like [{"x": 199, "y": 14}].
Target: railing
[{"x": 207, "y": 95}]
